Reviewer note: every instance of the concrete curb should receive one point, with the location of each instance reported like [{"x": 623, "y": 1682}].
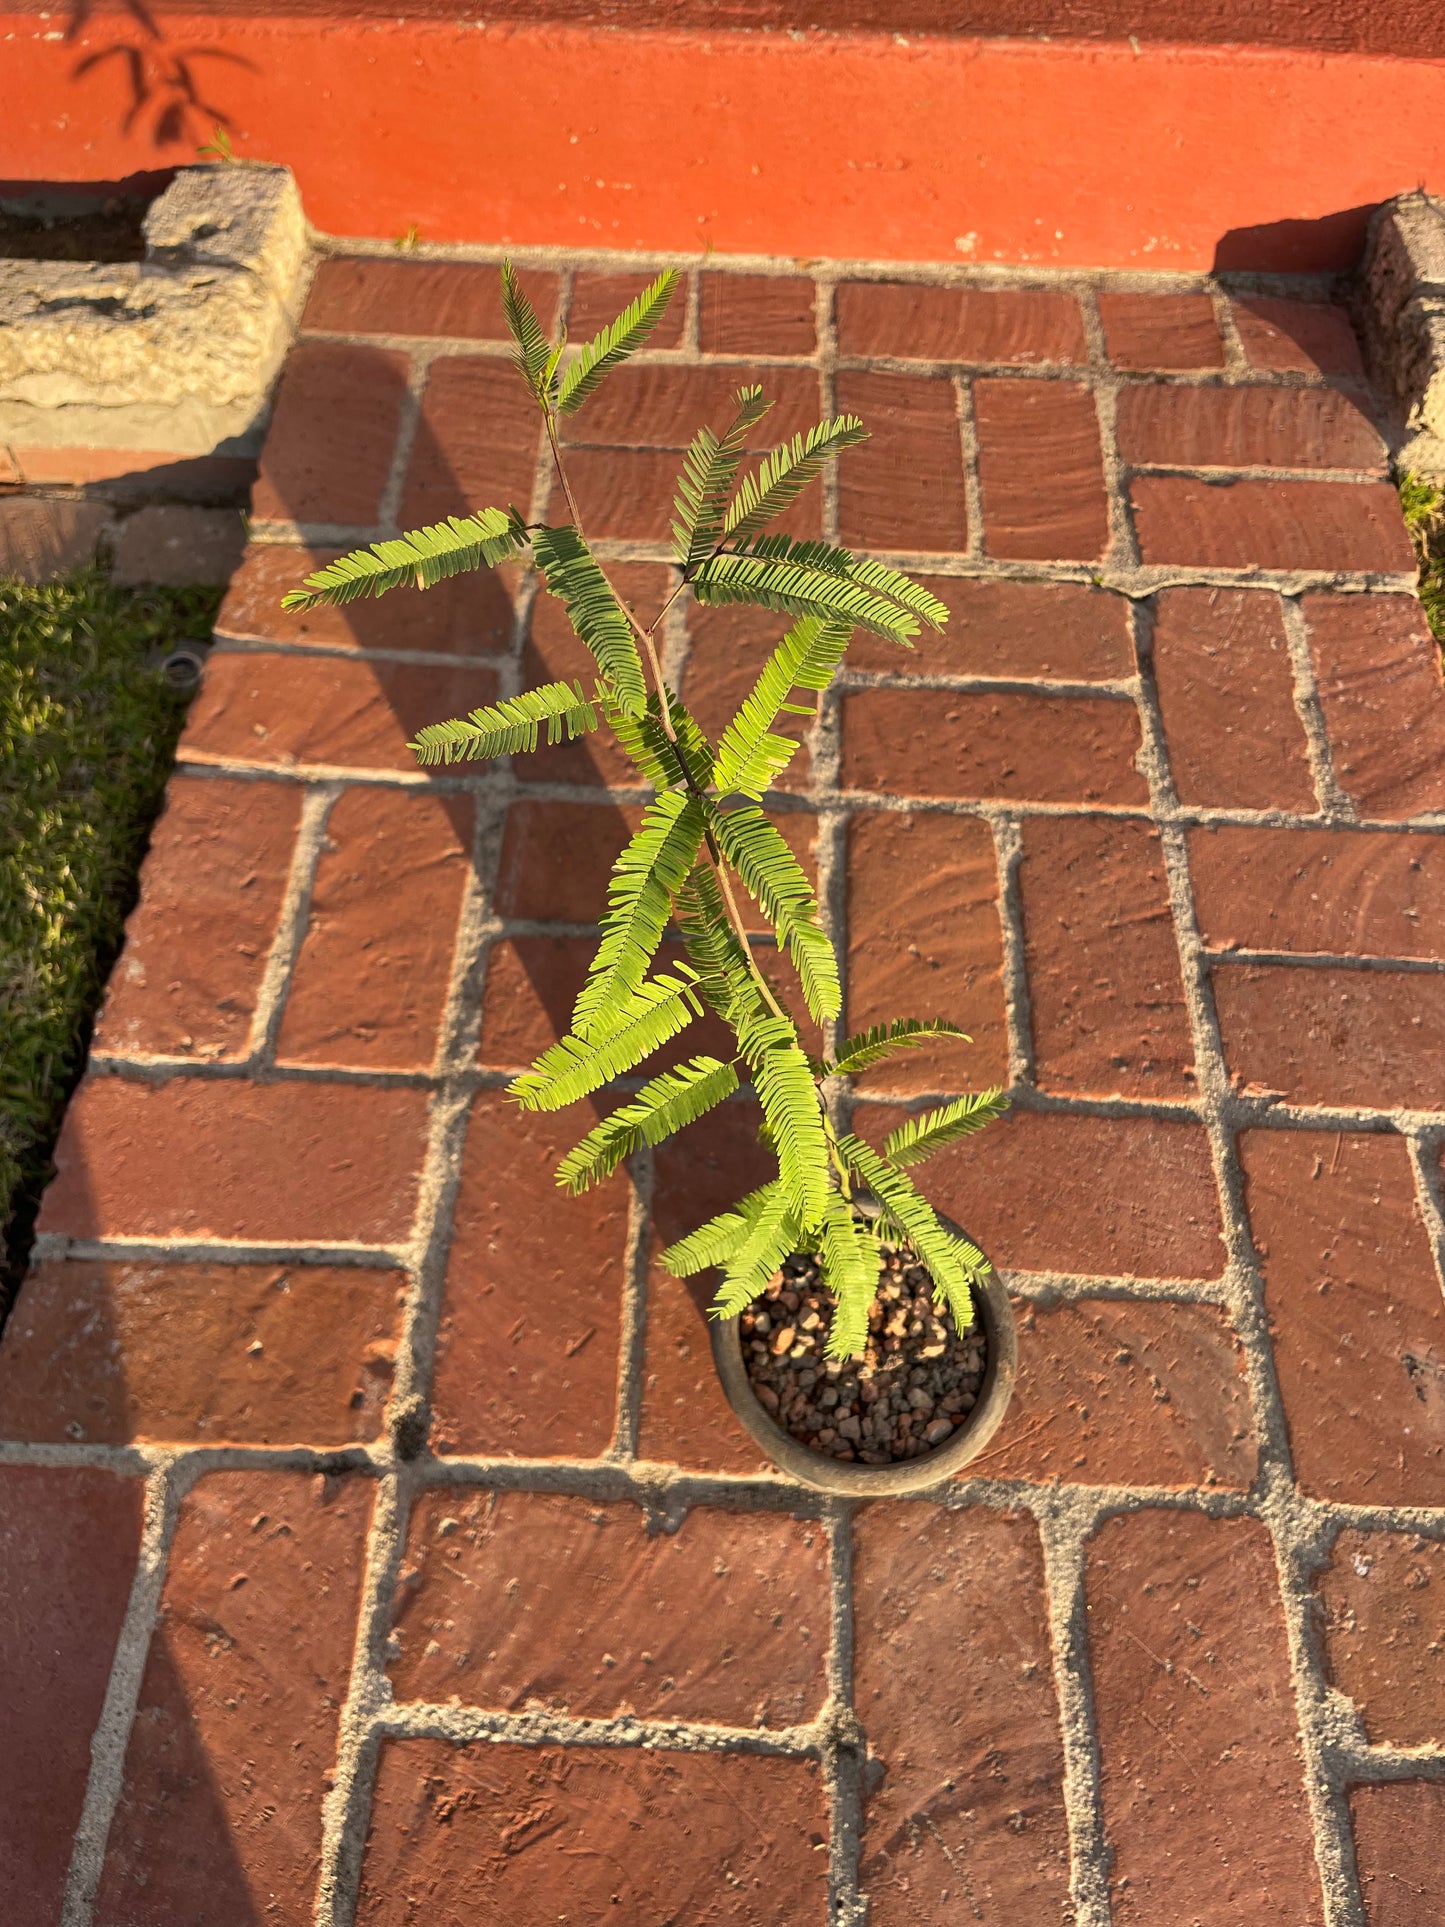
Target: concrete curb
[{"x": 178, "y": 351}]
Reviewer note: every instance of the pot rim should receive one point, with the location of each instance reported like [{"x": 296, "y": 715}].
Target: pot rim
[{"x": 907, "y": 1475}]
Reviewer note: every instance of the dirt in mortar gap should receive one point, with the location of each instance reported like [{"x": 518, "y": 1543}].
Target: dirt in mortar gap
[{"x": 915, "y": 1384}]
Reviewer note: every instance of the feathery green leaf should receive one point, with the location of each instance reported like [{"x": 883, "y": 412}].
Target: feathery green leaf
[
  {"x": 646, "y": 877},
  {"x": 851, "y": 1270},
  {"x": 787, "y": 472},
  {"x": 573, "y": 576},
  {"x": 749, "y": 755},
  {"x": 708, "y": 472},
  {"x": 774, "y": 879},
  {"x": 956, "y": 1264},
  {"x": 507, "y": 727},
  {"x": 667, "y": 1104},
  {"x": 723, "y": 973},
  {"x": 573, "y": 1066},
  {"x": 871, "y": 1046},
  {"x": 802, "y": 579},
  {"x": 771, "y": 1237},
  {"x": 535, "y": 357},
  {"x": 418, "y": 559},
  {"x": 789, "y": 1097},
  {"x": 921, "y": 1136},
  {"x": 618, "y": 340},
  {"x": 899, "y": 588},
  {"x": 715, "y": 1242}
]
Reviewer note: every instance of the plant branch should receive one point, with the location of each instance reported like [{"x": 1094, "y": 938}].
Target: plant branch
[{"x": 740, "y": 932}]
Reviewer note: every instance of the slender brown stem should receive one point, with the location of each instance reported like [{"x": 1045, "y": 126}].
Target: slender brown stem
[{"x": 740, "y": 932}]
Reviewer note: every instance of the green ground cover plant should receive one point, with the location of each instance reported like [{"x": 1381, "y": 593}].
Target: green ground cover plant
[
  {"x": 88, "y": 730},
  {"x": 1424, "y": 506},
  {"x": 706, "y": 841}
]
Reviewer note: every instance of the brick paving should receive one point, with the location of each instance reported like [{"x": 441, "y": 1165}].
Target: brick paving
[{"x": 378, "y": 1547}]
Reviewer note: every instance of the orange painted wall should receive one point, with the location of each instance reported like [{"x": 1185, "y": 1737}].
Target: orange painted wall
[{"x": 1063, "y": 154}]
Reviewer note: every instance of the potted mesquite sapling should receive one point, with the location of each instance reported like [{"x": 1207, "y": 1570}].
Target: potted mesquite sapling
[{"x": 863, "y": 1339}]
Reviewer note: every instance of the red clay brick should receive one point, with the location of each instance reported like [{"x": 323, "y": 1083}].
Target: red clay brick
[
  {"x": 1367, "y": 1038},
  {"x": 1204, "y": 1806},
  {"x": 685, "y": 1417},
  {"x": 1164, "y": 331},
  {"x": 662, "y": 405},
  {"x": 1355, "y": 1311},
  {"x": 555, "y": 654},
  {"x": 235, "y": 1732},
  {"x": 557, "y": 858},
  {"x": 1092, "y": 1196},
  {"x": 1300, "y": 336},
  {"x": 197, "y": 942},
  {"x": 200, "y": 1354},
  {"x": 461, "y": 300},
  {"x": 1105, "y": 996},
  {"x": 728, "y": 649},
  {"x": 1270, "y": 524},
  {"x": 725, "y": 1619},
  {"x": 1397, "y": 1849},
  {"x": 470, "y": 615},
  {"x": 1383, "y": 1597},
  {"x": 536, "y": 1836},
  {"x": 1007, "y": 744},
  {"x": 1362, "y": 893},
  {"x": 1240, "y": 427},
  {"x": 598, "y": 299},
  {"x": 197, "y": 1158},
  {"x": 69, "y": 1536},
  {"x": 531, "y": 986},
  {"x": 527, "y": 1351},
  {"x": 924, "y": 940},
  {"x": 1052, "y": 631},
  {"x": 1040, "y": 470},
  {"x": 1226, "y": 694},
  {"x": 904, "y": 488},
  {"x": 370, "y": 984},
  {"x": 756, "y": 314},
  {"x": 280, "y": 711},
  {"x": 328, "y": 451},
  {"x": 1378, "y": 670},
  {"x": 957, "y": 1700},
  {"x": 625, "y": 494},
  {"x": 1019, "y": 326},
  {"x": 476, "y": 442},
  {"x": 1119, "y": 1391}
]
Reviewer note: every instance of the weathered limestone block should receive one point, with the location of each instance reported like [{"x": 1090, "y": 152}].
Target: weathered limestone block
[
  {"x": 1404, "y": 312},
  {"x": 177, "y": 351}
]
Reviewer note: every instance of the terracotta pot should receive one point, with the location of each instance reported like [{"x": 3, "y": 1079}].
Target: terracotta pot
[{"x": 908, "y": 1475}]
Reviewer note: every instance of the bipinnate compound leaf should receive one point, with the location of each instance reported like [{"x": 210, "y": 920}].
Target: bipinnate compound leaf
[{"x": 416, "y": 560}]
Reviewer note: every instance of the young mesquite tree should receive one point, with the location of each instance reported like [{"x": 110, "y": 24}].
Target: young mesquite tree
[{"x": 705, "y": 839}]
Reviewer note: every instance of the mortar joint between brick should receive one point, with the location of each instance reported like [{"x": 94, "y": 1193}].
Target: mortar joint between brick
[
  {"x": 972, "y": 479},
  {"x": 281, "y": 959},
  {"x": 111, "y": 1739},
  {"x": 1335, "y": 805},
  {"x": 632, "y": 1333}
]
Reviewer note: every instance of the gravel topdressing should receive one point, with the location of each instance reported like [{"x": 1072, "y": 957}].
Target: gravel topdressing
[{"x": 915, "y": 1384}]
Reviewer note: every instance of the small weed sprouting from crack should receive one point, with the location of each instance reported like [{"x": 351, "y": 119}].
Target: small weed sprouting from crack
[{"x": 1424, "y": 506}]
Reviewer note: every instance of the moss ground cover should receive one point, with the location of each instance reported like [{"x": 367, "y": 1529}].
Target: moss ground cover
[{"x": 88, "y": 728}]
